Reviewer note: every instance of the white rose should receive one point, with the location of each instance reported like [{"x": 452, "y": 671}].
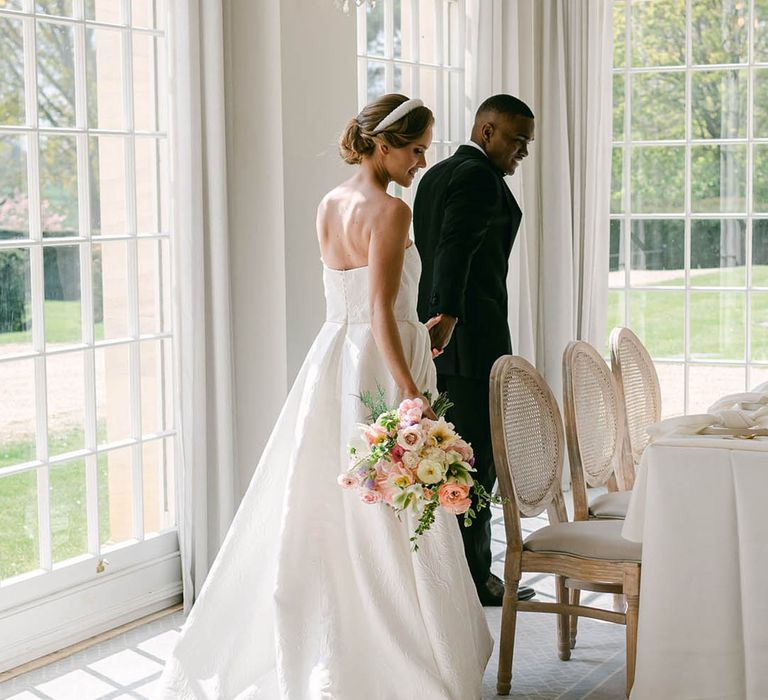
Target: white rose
[
  {"x": 411, "y": 459},
  {"x": 430, "y": 471}
]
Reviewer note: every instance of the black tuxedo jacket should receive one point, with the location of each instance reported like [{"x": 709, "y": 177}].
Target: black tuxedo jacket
[{"x": 465, "y": 221}]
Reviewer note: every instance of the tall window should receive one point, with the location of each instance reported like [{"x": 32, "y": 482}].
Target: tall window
[
  {"x": 86, "y": 426},
  {"x": 416, "y": 47},
  {"x": 689, "y": 208}
]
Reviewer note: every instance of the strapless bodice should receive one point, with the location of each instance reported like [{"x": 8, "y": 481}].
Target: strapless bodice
[{"x": 346, "y": 292}]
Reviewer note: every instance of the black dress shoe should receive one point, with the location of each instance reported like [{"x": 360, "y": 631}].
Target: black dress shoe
[{"x": 492, "y": 593}]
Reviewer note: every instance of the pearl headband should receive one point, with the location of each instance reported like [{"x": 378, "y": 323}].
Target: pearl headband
[{"x": 398, "y": 113}]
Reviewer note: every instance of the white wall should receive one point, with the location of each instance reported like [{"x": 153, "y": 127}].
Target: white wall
[{"x": 290, "y": 88}]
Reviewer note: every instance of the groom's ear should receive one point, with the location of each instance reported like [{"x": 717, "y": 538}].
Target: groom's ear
[{"x": 487, "y": 130}]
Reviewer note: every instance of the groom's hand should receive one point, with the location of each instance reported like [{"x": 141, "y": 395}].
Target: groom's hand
[{"x": 440, "y": 329}]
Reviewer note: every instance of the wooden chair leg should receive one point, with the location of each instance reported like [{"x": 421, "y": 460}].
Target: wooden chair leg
[
  {"x": 507, "y": 643},
  {"x": 574, "y": 621},
  {"x": 563, "y": 619},
  {"x": 632, "y": 594}
]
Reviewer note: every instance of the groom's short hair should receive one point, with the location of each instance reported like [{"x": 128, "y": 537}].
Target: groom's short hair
[{"x": 505, "y": 104}]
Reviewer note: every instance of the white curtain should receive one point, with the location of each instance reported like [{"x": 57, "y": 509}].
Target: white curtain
[
  {"x": 556, "y": 55},
  {"x": 202, "y": 318}
]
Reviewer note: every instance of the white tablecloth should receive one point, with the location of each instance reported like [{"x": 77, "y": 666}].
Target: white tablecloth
[{"x": 700, "y": 508}]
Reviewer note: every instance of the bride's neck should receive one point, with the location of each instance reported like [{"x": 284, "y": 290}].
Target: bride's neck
[{"x": 372, "y": 172}]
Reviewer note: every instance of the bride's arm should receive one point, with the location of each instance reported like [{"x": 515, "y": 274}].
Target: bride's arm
[{"x": 385, "y": 266}]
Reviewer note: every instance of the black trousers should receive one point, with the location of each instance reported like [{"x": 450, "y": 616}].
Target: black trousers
[{"x": 470, "y": 415}]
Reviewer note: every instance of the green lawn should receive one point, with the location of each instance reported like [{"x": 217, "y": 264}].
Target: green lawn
[
  {"x": 62, "y": 325},
  {"x": 717, "y": 318},
  {"x": 18, "y": 507}
]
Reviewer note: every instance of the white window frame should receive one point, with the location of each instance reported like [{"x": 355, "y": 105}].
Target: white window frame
[
  {"x": 62, "y": 603},
  {"x": 626, "y": 143},
  {"x": 449, "y": 110}
]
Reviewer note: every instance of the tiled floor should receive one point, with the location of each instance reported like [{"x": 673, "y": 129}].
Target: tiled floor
[{"x": 127, "y": 665}]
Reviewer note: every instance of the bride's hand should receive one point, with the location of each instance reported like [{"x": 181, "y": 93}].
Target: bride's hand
[{"x": 427, "y": 412}]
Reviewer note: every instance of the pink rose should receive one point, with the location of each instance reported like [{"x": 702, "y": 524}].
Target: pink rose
[
  {"x": 464, "y": 449},
  {"x": 454, "y": 498},
  {"x": 370, "y": 497},
  {"x": 348, "y": 481},
  {"x": 409, "y": 411}
]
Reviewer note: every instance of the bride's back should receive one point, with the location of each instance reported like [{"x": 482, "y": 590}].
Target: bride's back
[{"x": 346, "y": 217}]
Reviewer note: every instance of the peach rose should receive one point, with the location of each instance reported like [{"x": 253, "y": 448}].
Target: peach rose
[{"x": 454, "y": 498}]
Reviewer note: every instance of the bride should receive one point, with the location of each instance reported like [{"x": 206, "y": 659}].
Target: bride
[{"x": 315, "y": 595}]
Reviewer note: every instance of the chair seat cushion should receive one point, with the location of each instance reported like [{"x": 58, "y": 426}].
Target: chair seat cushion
[
  {"x": 610, "y": 506},
  {"x": 587, "y": 539}
]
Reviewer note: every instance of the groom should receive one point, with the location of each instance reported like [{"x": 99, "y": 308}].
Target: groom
[{"x": 465, "y": 221}]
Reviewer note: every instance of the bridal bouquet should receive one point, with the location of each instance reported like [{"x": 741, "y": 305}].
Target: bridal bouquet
[{"x": 405, "y": 460}]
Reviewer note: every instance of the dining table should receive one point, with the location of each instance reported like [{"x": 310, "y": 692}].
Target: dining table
[{"x": 700, "y": 508}]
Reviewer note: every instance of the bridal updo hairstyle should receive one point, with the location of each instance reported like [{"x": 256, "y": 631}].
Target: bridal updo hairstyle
[{"x": 358, "y": 139}]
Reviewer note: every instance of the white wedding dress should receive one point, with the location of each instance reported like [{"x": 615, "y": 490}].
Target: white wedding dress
[{"x": 314, "y": 594}]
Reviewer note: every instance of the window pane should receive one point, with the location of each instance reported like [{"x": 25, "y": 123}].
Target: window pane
[
  {"x": 375, "y": 28},
  {"x": 113, "y": 394},
  {"x": 658, "y": 318},
  {"x": 616, "y": 259},
  {"x": 17, "y": 412},
  {"x": 617, "y": 179},
  {"x": 144, "y": 107},
  {"x": 658, "y": 253},
  {"x": 618, "y": 107},
  {"x": 758, "y": 375},
  {"x": 12, "y": 109},
  {"x": 708, "y": 383},
  {"x": 104, "y": 75},
  {"x": 154, "y": 286},
  {"x": 146, "y": 13},
  {"x": 454, "y": 39},
  {"x": 619, "y": 31},
  {"x": 375, "y": 80},
  {"x": 760, "y": 177},
  {"x": 106, "y": 158},
  {"x": 110, "y": 289},
  {"x": 658, "y": 106},
  {"x": 18, "y": 523},
  {"x": 760, "y": 104},
  {"x": 66, "y": 402},
  {"x": 58, "y": 185},
  {"x": 104, "y": 11},
  {"x": 62, "y": 294},
  {"x": 717, "y": 325},
  {"x": 69, "y": 521},
  {"x": 658, "y": 32},
  {"x": 719, "y": 31},
  {"x": 14, "y": 201},
  {"x": 15, "y": 301},
  {"x": 155, "y": 377},
  {"x": 159, "y": 493},
  {"x": 718, "y": 178},
  {"x": 759, "y": 330},
  {"x": 62, "y": 8},
  {"x": 657, "y": 179},
  {"x": 760, "y": 253},
  {"x": 403, "y": 39},
  {"x": 55, "y": 74},
  {"x": 147, "y": 185},
  {"x": 428, "y": 93},
  {"x": 116, "y": 496},
  {"x": 718, "y": 253},
  {"x": 672, "y": 382},
  {"x": 760, "y": 25},
  {"x": 428, "y": 36},
  {"x": 719, "y": 104}
]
